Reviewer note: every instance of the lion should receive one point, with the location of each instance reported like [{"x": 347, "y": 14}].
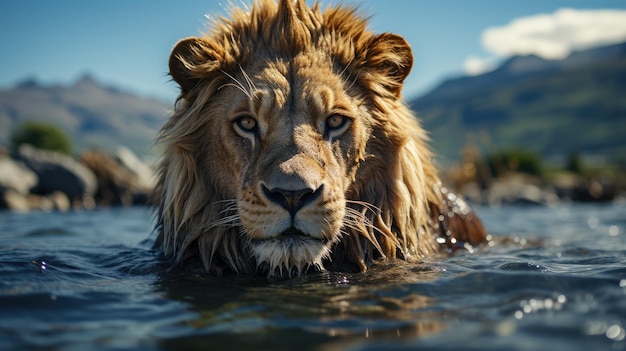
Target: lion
[{"x": 291, "y": 149}]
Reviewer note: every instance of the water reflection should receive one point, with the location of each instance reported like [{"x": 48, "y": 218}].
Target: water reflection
[{"x": 305, "y": 312}]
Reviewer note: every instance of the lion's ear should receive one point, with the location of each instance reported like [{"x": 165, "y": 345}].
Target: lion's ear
[
  {"x": 192, "y": 60},
  {"x": 391, "y": 55}
]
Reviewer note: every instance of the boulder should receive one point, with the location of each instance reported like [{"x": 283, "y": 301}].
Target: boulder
[
  {"x": 117, "y": 185},
  {"x": 57, "y": 172},
  {"x": 143, "y": 173},
  {"x": 15, "y": 176},
  {"x": 518, "y": 190},
  {"x": 14, "y": 201}
]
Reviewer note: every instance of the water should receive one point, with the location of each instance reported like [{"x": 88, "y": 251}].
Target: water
[{"x": 89, "y": 280}]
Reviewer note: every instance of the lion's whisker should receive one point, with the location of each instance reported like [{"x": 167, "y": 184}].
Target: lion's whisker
[
  {"x": 227, "y": 201},
  {"x": 357, "y": 221},
  {"x": 227, "y": 221},
  {"x": 374, "y": 209},
  {"x": 243, "y": 90},
  {"x": 229, "y": 208},
  {"x": 251, "y": 85},
  {"x": 237, "y": 84}
]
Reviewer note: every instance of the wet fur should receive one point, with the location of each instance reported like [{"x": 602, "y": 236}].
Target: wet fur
[{"x": 394, "y": 205}]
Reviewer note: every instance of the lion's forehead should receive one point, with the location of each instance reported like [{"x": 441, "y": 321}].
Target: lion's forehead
[{"x": 304, "y": 84}]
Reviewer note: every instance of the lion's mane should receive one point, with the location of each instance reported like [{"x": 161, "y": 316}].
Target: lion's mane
[{"x": 406, "y": 212}]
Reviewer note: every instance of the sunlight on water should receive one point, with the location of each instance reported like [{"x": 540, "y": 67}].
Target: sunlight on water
[{"x": 554, "y": 278}]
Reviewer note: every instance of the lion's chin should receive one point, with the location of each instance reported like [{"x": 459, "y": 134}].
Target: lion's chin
[{"x": 289, "y": 255}]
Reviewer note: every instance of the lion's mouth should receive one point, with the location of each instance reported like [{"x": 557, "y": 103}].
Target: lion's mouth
[
  {"x": 292, "y": 235},
  {"x": 289, "y": 254}
]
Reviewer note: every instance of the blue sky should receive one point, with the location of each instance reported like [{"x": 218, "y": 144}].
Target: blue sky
[{"x": 126, "y": 43}]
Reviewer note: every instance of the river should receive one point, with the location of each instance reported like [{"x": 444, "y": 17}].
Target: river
[{"x": 555, "y": 280}]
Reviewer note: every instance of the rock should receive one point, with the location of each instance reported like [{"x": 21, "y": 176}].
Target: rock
[
  {"x": 582, "y": 189},
  {"x": 472, "y": 193},
  {"x": 117, "y": 185},
  {"x": 143, "y": 172},
  {"x": 16, "y": 176},
  {"x": 60, "y": 201},
  {"x": 58, "y": 172},
  {"x": 595, "y": 190},
  {"x": 518, "y": 191},
  {"x": 14, "y": 201}
]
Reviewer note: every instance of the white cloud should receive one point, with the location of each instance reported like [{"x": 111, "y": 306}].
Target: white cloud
[{"x": 553, "y": 36}]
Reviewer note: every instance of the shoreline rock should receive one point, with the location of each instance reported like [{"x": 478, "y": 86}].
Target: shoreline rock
[
  {"x": 520, "y": 189},
  {"x": 58, "y": 172},
  {"x": 117, "y": 184},
  {"x": 49, "y": 181}
]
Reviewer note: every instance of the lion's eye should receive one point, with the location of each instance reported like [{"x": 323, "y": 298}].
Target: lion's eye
[
  {"x": 335, "y": 121},
  {"x": 246, "y": 124},
  {"x": 336, "y": 124}
]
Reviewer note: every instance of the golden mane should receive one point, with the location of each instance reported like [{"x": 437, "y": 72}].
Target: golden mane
[{"x": 404, "y": 210}]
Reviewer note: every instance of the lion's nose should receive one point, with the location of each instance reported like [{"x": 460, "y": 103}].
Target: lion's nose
[{"x": 292, "y": 200}]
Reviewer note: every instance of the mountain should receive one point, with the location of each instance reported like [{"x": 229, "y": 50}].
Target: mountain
[
  {"x": 93, "y": 115},
  {"x": 553, "y": 107}
]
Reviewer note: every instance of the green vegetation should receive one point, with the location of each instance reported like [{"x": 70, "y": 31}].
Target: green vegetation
[
  {"x": 42, "y": 136},
  {"x": 574, "y": 163},
  {"x": 580, "y": 109},
  {"x": 515, "y": 161}
]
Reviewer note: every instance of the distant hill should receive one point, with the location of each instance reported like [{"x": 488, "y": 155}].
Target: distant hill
[
  {"x": 93, "y": 115},
  {"x": 553, "y": 107}
]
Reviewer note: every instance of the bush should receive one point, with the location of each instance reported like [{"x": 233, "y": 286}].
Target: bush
[
  {"x": 516, "y": 161},
  {"x": 574, "y": 163},
  {"x": 42, "y": 136}
]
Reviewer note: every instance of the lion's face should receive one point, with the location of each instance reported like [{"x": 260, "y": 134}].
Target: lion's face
[
  {"x": 290, "y": 135},
  {"x": 291, "y": 138}
]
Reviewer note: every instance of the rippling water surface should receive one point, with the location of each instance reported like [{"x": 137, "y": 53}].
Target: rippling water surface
[{"x": 89, "y": 280}]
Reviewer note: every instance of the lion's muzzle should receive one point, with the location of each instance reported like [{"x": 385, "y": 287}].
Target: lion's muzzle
[{"x": 292, "y": 200}]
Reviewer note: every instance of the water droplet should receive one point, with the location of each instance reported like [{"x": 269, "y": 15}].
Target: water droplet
[
  {"x": 548, "y": 304},
  {"x": 615, "y": 332},
  {"x": 519, "y": 315},
  {"x": 622, "y": 283},
  {"x": 613, "y": 230},
  {"x": 593, "y": 222},
  {"x": 595, "y": 328},
  {"x": 506, "y": 328},
  {"x": 468, "y": 247},
  {"x": 42, "y": 265},
  {"x": 536, "y": 304},
  {"x": 343, "y": 280}
]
